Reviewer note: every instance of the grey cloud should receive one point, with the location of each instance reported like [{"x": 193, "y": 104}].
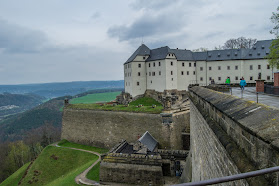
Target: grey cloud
[
  {"x": 96, "y": 15},
  {"x": 148, "y": 25},
  {"x": 17, "y": 39},
  {"x": 151, "y": 4}
]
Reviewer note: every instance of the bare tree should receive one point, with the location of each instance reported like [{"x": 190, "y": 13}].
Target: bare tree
[
  {"x": 201, "y": 49},
  {"x": 240, "y": 42}
]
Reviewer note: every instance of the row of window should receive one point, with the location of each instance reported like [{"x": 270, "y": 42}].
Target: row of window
[
  {"x": 236, "y": 78},
  {"x": 128, "y": 74},
  {"x": 171, "y": 63}
]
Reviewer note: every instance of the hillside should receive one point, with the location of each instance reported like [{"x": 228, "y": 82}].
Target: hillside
[
  {"x": 52, "y": 90},
  {"x": 15, "y": 127},
  {"x": 16, "y": 103},
  {"x": 54, "y": 166}
]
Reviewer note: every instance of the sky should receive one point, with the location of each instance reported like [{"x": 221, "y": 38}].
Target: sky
[{"x": 68, "y": 40}]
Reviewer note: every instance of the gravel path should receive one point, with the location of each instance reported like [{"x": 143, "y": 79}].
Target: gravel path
[{"x": 81, "y": 179}]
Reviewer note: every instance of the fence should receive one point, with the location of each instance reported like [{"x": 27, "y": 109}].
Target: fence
[{"x": 271, "y": 89}]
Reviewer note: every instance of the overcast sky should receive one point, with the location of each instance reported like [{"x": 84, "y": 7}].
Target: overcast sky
[{"x": 71, "y": 40}]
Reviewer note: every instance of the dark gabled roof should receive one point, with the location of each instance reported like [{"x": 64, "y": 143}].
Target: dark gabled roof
[
  {"x": 259, "y": 51},
  {"x": 149, "y": 141},
  {"x": 183, "y": 55},
  {"x": 143, "y": 50},
  {"x": 158, "y": 53}
]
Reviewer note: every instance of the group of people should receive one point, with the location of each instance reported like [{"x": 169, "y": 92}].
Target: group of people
[{"x": 228, "y": 82}]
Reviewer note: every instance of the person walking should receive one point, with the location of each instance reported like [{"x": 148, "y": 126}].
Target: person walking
[
  {"x": 242, "y": 83},
  {"x": 228, "y": 81}
]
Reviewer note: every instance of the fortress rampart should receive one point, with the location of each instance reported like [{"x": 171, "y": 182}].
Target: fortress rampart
[
  {"x": 107, "y": 128},
  {"x": 231, "y": 135}
]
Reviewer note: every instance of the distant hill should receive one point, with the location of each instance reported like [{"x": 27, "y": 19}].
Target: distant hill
[
  {"x": 52, "y": 90},
  {"x": 16, "y": 103}
]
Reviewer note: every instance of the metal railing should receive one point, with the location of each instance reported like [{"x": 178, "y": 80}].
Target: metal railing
[
  {"x": 271, "y": 89},
  {"x": 232, "y": 177}
]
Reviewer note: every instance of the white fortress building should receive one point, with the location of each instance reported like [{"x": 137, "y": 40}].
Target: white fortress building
[{"x": 175, "y": 69}]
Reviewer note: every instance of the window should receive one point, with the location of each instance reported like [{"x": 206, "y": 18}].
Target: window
[
  {"x": 159, "y": 73},
  {"x": 183, "y": 64},
  {"x": 210, "y": 78},
  {"x": 219, "y": 67},
  {"x": 268, "y": 67},
  {"x": 137, "y": 83},
  {"x": 149, "y": 65},
  {"x": 151, "y": 81},
  {"x": 182, "y": 73},
  {"x": 171, "y": 63},
  {"x": 149, "y": 73},
  {"x": 139, "y": 65},
  {"x": 259, "y": 67},
  {"x": 228, "y": 67},
  {"x": 172, "y": 79},
  {"x": 219, "y": 78},
  {"x": 125, "y": 74},
  {"x": 154, "y": 64},
  {"x": 201, "y": 78},
  {"x": 236, "y": 67},
  {"x": 251, "y": 67},
  {"x": 251, "y": 77},
  {"x": 126, "y": 83},
  {"x": 194, "y": 64},
  {"x": 138, "y": 73},
  {"x": 268, "y": 77},
  {"x": 201, "y": 68},
  {"x": 153, "y": 73},
  {"x": 143, "y": 57},
  {"x": 159, "y": 63},
  {"x": 194, "y": 72},
  {"x": 209, "y": 68},
  {"x": 190, "y": 64},
  {"x": 171, "y": 72},
  {"x": 187, "y": 72},
  {"x": 236, "y": 77}
]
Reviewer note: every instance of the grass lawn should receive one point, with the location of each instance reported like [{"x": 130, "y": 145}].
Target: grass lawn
[
  {"x": 94, "y": 173},
  {"x": 58, "y": 166},
  {"x": 15, "y": 177},
  {"x": 133, "y": 106},
  {"x": 65, "y": 143},
  {"x": 93, "y": 98}
]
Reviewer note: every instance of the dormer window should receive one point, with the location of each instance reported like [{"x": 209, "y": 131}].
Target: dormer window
[
  {"x": 235, "y": 53},
  {"x": 254, "y": 47},
  {"x": 250, "y": 54},
  {"x": 219, "y": 54},
  {"x": 228, "y": 54},
  {"x": 262, "y": 46},
  {"x": 209, "y": 55},
  {"x": 259, "y": 53},
  {"x": 169, "y": 54},
  {"x": 143, "y": 57},
  {"x": 266, "y": 52}
]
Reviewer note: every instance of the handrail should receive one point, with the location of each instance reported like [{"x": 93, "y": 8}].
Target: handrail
[{"x": 232, "y": 177}]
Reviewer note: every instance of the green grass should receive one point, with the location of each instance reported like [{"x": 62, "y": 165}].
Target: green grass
[
  {"x": 94, "y": 98},
  {"x": 133, "y": 106},
  {"x": 62, "y": 171},
  {"x": 65, "y": 143},
  {"x": 15, "y": 177},
  {"x": 94, "y": 173}
]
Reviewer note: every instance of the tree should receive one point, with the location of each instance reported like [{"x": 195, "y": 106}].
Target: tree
[
  {"x": 273, "y": 56},
  {"x": 240, "y": 42},
  {"x": 201, "y": 49}
]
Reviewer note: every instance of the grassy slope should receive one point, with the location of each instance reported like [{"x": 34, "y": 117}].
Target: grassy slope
[
  {"x": 94, "y": 173},
  {"x": 65, "y": 143},
  {"x": 93, "y": 98},
  {"x": 15, "y": 177},
  {"x": 62, "y": 171},
  {"x": 146, "y": 102}
]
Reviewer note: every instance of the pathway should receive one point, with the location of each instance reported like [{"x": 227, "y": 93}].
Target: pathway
[
  {"x": 250, "y": 94},
  {"x": 81, "y": 179}
]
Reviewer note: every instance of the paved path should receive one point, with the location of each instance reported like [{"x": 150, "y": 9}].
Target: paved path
[
  {"x": 250, "y": 94},
  {"x": 81, "y": 179}
]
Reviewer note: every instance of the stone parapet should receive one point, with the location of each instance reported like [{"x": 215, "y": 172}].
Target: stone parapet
[{"x": 229, "y": 120}]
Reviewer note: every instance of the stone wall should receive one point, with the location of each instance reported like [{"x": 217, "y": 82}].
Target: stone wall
[
  {"x": 231, "y": 135},
  {"x": 107, "y": 128}
]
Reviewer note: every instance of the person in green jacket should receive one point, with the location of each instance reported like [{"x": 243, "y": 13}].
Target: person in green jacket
[{"x": 228, "y": 81}]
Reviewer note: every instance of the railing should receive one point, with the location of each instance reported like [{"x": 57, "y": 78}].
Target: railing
[
  {"x": 271, "y": 89},
  {"x": 232, "y": 177}
]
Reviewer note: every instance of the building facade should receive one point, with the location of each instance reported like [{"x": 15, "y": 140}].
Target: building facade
[{"x": 175, "y": 69}]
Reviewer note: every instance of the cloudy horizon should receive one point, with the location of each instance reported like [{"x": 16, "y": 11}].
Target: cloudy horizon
[{"x": 63, "y": 41}]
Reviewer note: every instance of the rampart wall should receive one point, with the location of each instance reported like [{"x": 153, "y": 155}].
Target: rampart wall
[
  {"x": 107, "y": 128},
  {"x": 230, "y": 135}
]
